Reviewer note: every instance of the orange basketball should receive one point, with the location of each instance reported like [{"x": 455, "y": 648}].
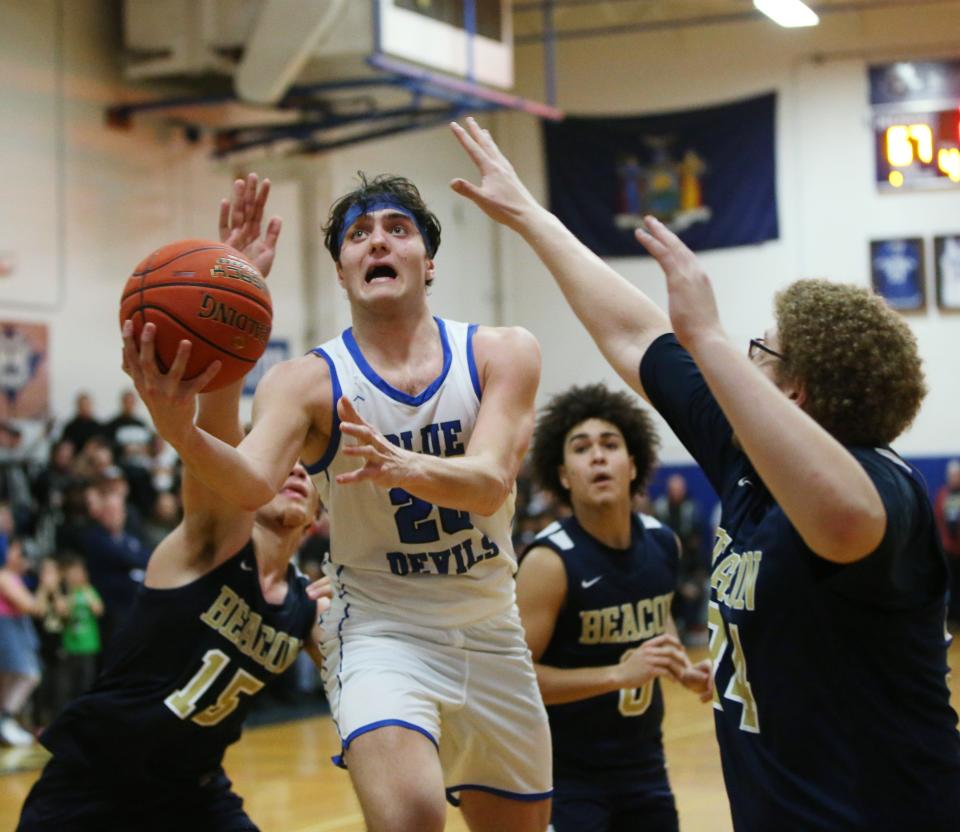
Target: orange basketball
[{"x": 207, "y": 293}]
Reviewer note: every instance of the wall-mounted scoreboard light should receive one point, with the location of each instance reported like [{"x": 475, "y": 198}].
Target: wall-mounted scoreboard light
[{"x": 916, "y": 117}]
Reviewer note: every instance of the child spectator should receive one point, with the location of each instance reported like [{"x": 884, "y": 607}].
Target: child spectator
[
  {"x": 19, "y": 663},
  {"x": 53, "y": 610},
  {"x": 81, "y": 633}
]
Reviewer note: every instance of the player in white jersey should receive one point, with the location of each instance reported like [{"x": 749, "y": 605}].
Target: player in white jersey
[{"x": 414, "y": 429}]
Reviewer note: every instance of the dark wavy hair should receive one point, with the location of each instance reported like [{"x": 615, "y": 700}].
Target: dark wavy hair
[
  {"x": 592, "y": 401},
  {"x": 397, "y": 188},
  {"x": 856, "y": 358}
]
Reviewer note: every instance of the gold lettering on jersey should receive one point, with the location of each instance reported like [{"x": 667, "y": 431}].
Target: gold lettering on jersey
[
  {"x": 734, "y": 579},
  {"x": 232, "y": 617},
  {"x": 263, "y": 642},
  {"x": 626, "y": 623},
  {"x": 724, "y": 575},
  {"x": 720, "y": 545}
]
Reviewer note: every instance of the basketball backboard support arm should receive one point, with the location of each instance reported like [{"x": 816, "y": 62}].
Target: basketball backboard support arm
[
  {"x": 284, "y": 36},
  {"x": 321, "y": 126},
  {"x": 383, "y": 94}
]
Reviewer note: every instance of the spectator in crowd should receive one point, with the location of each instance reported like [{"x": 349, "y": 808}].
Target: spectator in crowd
[
  {"x": 19, "y": 662},
  {"x": 84, "y": 425},
  {"x": 52, "y": 604},
  {"x": 164, "y": 465},
  {"x": 95, "y": 458},
  {"x": 163, "y": 519},
  {"x": 115, "y": 558},
  {"x": 81, "y": 632},
  {"x": 678, "y": 511},
  {"x": 15, "y": 487},
  {"x": 947, "y": 511},
  {"x": 53, "y": 482},
  {"x": 136, "y": 464},
  {"x": 130, "y": 439},
  {"x": 126, "y": 428}
]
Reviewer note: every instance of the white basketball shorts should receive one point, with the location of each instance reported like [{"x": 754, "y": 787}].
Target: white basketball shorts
[{"x": 472, "y": 691}]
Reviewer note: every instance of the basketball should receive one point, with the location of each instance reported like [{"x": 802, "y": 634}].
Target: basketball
[{"x": 207, "y": 293}]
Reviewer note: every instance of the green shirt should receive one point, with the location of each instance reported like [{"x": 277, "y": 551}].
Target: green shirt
[{"x": 81, "y": 634}]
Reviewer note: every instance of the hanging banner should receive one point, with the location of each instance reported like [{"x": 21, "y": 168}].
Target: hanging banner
[
  {"x": 709, "y": 174},
  {"x": 24, "y": 379}
]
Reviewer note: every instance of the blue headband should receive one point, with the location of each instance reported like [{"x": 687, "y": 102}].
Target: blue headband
[{"x": 358, "y": 209}]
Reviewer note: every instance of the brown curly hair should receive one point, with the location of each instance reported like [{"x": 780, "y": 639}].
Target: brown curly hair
[
  {"x": 592, "y": 401},
  {"x": 856, "y": 358}
]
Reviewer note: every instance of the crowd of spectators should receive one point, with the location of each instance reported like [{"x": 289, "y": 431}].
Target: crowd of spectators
[{"x": 82, "y": 506}]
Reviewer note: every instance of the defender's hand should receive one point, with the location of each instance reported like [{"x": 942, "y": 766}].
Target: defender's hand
[
  {"x": 500, "y": 195},
  {"x": 693, "y": 305},
  {"x": 172, "y": 402},
  {"x": 384, "y": 464},
  {"x": 241, "y": 220}
]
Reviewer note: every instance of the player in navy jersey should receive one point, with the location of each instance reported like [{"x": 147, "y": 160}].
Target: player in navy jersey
[
  {"x": 221, "y": 613},
  {"x": 594, "y": 592},
  {"x": 827, "y": 593},
  {"x": 413, "y": 428}
]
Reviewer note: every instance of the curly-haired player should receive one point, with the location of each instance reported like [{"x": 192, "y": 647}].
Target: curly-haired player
[
  {"x": 828, "y": 585},
  {"x": 594, "y": 593}
]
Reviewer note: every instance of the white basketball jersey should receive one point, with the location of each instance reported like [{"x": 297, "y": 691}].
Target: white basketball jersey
[{"x": 409, "y": 558}]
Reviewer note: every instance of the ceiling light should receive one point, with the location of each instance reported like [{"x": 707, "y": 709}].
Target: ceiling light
[{"x": 789, "y": 13}]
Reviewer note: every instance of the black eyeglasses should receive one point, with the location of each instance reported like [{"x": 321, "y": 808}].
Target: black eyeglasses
[{"x": 761, "y": 344}]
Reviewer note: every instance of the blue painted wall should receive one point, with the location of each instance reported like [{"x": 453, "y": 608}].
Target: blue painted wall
[{"x": 933, "y": 469}]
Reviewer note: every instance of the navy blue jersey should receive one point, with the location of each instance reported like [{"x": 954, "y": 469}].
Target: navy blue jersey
[
  {"x": 832, "y": 709},
  {"x": 179, "y": 677},
  {"x": 616, "y": 600}
]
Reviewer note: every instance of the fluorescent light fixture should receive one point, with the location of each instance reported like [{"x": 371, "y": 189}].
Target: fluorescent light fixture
[{"x": 790, "y": 13}]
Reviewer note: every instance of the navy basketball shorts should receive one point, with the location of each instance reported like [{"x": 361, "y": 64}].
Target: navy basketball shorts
[
  {"x": 68, "y": 798},
  {"x": 618, "y": 803}
]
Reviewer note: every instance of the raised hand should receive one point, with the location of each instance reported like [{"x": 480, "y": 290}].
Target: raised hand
[
  {"x": 384, "y": 464},
  {"x": 500, "y": 195},
  {"x": 241, "y": 222},
  {"x": 172, "y": 402},
  {"x": 693, "y": 305}
]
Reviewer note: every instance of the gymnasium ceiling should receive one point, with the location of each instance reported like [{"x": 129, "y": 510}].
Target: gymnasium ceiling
[{"x": 586, "y": 18}]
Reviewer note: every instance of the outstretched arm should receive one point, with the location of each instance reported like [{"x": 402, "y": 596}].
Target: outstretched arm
[
  {"x": 620, "y": 318},
  {"x": 212, "y": 528},
  {"x": 249, "y": 475},
  {"x": 508, "y": 361},
  {"x": 823, "y": 490}
]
